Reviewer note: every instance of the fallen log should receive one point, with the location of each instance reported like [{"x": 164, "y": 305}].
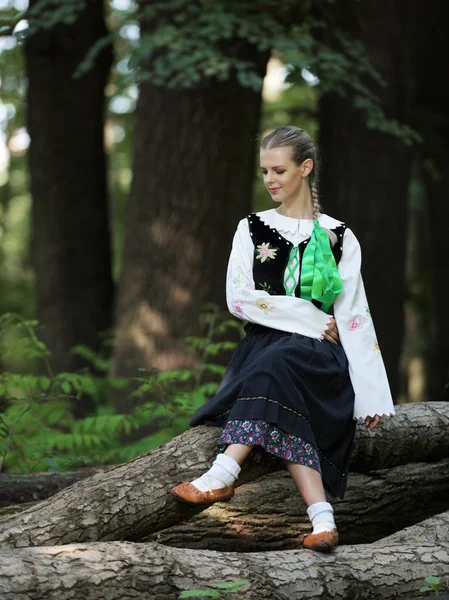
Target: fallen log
[
  {"x": 17, "y": 488},
  {"x": 417, "y": 433},
  {"x": 269, "y": 514},
  {"x": 131, "y": 501},
  {"x": 122, "y": 570}
]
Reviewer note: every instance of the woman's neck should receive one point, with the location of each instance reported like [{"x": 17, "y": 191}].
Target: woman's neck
[{"x": 296, "y": 210}]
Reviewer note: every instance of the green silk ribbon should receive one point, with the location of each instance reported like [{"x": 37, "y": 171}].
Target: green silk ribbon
[{"x": 320, "y": 279}]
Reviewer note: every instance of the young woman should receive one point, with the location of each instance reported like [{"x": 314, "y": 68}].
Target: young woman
[{"x": 310, "y": 365}]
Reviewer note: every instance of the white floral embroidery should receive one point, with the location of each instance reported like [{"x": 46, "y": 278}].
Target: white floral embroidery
[
  {"x": 238, "y": 281},
  {"x": 266, "y": 305}
]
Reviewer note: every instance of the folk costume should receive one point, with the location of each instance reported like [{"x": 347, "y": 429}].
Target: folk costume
[{"x": 287, "y": 390}]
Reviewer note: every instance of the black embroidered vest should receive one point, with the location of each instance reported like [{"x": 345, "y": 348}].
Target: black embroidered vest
[{"x": 272, "y": 252}]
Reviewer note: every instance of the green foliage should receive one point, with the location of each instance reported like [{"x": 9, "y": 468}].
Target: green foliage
[
  {"x": 225, "y": 588},
  {"x": 435, "y": 585},
  {"x": 183, "y": 43},
  {"x": 38, "y": 431}
]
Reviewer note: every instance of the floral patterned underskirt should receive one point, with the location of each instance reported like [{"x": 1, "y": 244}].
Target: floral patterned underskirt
[{"x": 270, "y": 443}]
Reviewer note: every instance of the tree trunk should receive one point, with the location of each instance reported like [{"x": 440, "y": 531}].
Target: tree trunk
[
  {"x": 392, "y": 567},
  {"x": 366, "y": 173},
  {"x": 193, "y": 169},
  {"x": 269, "y": 514},
  {"x": 430, "y": 118},
  {"x": 70, "y": 229},
  {"x": 131, "y": 501}
]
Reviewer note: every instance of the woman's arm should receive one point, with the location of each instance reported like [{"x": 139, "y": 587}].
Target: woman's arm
[
  {"x": 286, "y": 313},
  {"x": 358, "y": 337}
]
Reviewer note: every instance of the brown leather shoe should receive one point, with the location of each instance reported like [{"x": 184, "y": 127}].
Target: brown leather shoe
[
  {"x": 192, "y": 495},
  {"x": 321, "y": 542}
]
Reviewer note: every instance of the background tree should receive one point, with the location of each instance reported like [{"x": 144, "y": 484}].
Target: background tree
[
  {"x": 70, "y": 218},
  {"x": 366, "y": 164},
  {"x": 429, "y": 116}
]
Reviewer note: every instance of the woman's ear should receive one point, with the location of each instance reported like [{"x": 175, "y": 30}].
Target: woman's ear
[{"x": 306, "y": 167}]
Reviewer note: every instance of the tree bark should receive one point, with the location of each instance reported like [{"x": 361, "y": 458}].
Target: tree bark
[
  {"x": 131, "y": 501},
  {"x": 366, "y": 173},
  {"x": 269, "y": 514},
  {"x": 70, "y": 227},
  {"x": 393, "y": 567},
  {"x": 193, "y": 168}
]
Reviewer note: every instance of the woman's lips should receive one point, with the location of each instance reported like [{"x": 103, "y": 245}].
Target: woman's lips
[{"x": 274, "y": 190}]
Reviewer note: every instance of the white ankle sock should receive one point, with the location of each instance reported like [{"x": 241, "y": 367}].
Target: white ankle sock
[
  {"x": 223, "y": 472},
  {"x": 321, "y": 515}
]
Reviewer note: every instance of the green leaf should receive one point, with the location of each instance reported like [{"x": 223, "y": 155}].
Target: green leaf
[
  {"x": 433, "y": 580},
  {"x": 218, "y": 369},
  {"x": 199, "y": 594},
  {"x": 66, "y": 387},
  {"x": 45, "y": 382},
  {"x": 233, "y": 586}
]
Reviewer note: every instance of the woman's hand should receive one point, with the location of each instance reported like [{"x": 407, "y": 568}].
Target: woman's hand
[
  {"x": 331, "y": 333},
  {"x": 372, "y": 422}
]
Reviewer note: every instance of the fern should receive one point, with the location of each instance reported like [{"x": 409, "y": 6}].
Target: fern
[{"x": 37, "y": 427}]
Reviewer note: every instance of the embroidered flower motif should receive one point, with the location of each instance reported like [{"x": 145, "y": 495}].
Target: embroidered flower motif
[
  {"x": 356, "y": 323},
  {"x": 266, "y": 305},
  {"x": 265, "y": 252},
  {"x": 238, "y": 280},
  {"x": 376, "y": 347},
  {"x": 266, "y": 287},
  {"x": 270, "y": 443},
  {"x": 237, "y": 308}
]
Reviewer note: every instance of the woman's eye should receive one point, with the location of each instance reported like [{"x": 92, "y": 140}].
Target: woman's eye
[{"x": 280, "y": 172}]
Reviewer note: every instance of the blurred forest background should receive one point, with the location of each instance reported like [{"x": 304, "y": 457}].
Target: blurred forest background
[{"x": 128, "y": 153}]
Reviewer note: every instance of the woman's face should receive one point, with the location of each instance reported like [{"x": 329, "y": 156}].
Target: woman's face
[{"x": 282, "y": 177}]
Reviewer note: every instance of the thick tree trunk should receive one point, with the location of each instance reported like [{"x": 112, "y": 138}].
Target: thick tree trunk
[
  {"x": 70, "y": 229},
  {"x": 393, "y": 567},
  {"x": 192, "y": 175},
  {"x": 430, "y": 118},
  {"x": 366, "y": 173},
  {"x": 269, "y": 514},
  {"x": 131, "y": 501}
]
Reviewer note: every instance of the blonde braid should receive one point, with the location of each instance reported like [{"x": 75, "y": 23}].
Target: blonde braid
[
  {"x": 317, "y": 209},
  {"x": 315, "y": 202}
]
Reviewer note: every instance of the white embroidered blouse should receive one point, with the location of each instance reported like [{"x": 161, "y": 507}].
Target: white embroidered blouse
[{"x": 296, "y": 315}]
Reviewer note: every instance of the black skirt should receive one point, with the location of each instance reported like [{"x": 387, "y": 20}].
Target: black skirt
[{"x": 299, "y": 385}]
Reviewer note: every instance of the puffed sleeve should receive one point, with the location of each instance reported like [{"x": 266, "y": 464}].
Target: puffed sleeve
[
  {"x": 358, "y": 337},
  {"x": 285, "y": 313}
]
